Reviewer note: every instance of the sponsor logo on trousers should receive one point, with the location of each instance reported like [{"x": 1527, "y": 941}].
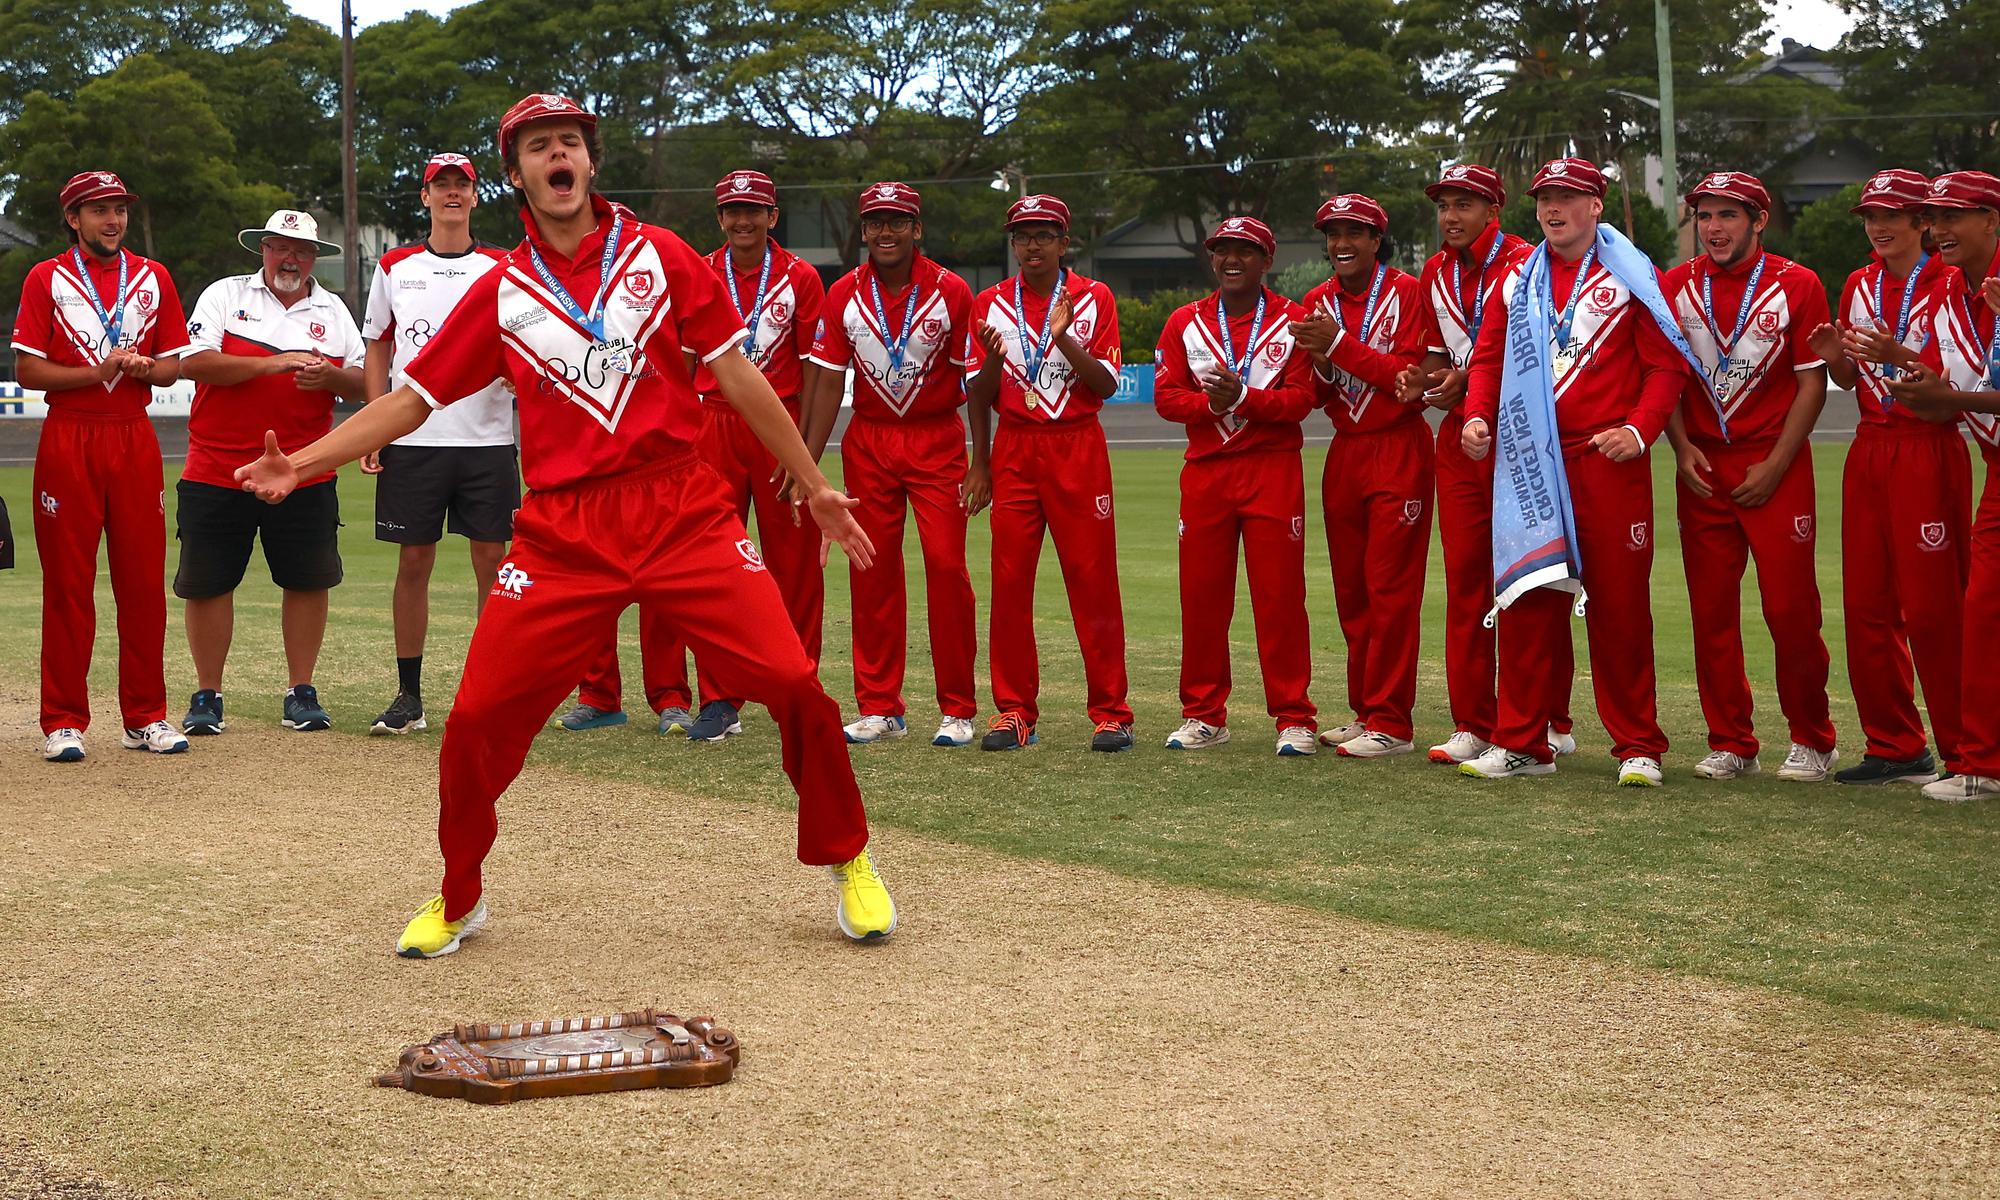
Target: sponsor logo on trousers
[{"x": 511, "y": 582}]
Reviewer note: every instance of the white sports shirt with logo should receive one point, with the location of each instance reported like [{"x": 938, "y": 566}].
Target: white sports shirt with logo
[{"x": 414, "y": 290}]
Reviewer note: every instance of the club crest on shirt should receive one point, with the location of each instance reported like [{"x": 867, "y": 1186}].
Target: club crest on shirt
[
  {"x": 1639, "y": 534},
  {"x": 933, "y": 328},
  {"x": 1802, "y": 528},
  {"x": 1103, "y": 507},
  {"x": 639, "y": 283},
  {"x": 1080, "y": 329},
  {"x": 752, "y": 561},
  {"x": 1767, "y": 324},
  {"x": 144, "y": 300},
  {"x": 1274, "y": 352},
  {"x": 781, "y": 313},
  {"x": 1932, "y": 535},
  {"x": 1602, "y": 297},
  {"x": 318, "y": 331}
]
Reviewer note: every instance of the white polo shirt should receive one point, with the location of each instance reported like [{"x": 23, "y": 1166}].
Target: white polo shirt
[{"x": 414, "y": 290}]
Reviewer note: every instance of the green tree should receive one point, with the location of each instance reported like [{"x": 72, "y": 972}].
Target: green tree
[
  {"x": 1826, "y": 238},
  {"x": 1651, "y": 231},
  {"x": 1930, "y": 63}
]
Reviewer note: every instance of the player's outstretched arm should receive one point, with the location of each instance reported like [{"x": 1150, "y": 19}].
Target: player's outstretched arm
[
  {"x": 750, "y": 394},
  {"x": 272, "y": 477}
]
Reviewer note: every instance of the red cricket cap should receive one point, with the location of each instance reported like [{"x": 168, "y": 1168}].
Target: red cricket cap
[
  {"x": 1470, "y": 177},
  {"x": 1576, "y": 174},
  {"x": 1893, "y": 191},
  {"x": 93, "y": 185},
  {"x": 448, "y": 161},
  {"x": 1352, "y": 207},
  {"x": 1244, "y": 229},
  {"x": 540, "y": 106},
  {"x": 1043, "y": 208},
  {"x": 889, "y": 196},
  {"x": 746, "y": 187},
  {"x": 1732, "y": 185},
  {"x": 1965, "y": 189}
]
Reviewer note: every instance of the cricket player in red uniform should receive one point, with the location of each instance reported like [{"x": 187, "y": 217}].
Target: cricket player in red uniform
[
  {"x": 1458, "y": 285},
  {"x": 1617, "y": 380},
  {"x": 1961, "y": 375},
  {"x": 589, "y": 319},
  {"x": 1747, "y": 491},
  {"x": 779, "y": 297},
  {"x": 1364, "y": 329},
  {"x": 99, "y": 327},
  {"x": 1045, "y": 354},
  {"x": 1906, "y": 497},
  {"x": 903, "y": 323},
  {"x": 1229, "y": 368}
]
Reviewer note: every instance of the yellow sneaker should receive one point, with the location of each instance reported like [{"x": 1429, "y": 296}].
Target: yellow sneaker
[
  {"x": 429, "y": 935},
  {"x": 866, "y": 912}
]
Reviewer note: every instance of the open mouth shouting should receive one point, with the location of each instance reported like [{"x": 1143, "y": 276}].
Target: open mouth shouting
[{"x": 562, "y": 182}]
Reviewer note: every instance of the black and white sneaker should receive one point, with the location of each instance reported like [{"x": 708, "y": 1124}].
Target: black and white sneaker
[
  {"x": 1870, "y": 770},
  {"x": 405, "y": 714},
  {"x": 204, "y": 714},
  {"x": 303, "y": 713}
]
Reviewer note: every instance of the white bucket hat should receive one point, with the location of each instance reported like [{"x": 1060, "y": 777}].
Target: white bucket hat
[{"x": 291, "y": 223}]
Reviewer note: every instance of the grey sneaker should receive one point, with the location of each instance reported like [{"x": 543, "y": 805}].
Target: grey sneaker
[
  {"x": 586, "y": 716},
  {"x": 675, "y": 719}
]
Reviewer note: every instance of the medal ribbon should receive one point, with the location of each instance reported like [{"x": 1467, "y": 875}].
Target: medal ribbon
[
  {"x": 594, "y": 319},
  {"x": 1727, "y": 348},
  {"x": 1239, "y": 368},
  {"x": 902, "y": 341},
  {"x": 1903, "y": 316},
  {"x": 1992, "y": 350},
  {"x": 757, "y": 307},
  {"x": 1568, "y": 313},
  {"x": 1035, "y": 353},
  {"x": 114, "y": 318},
  {"x": 1478, "y": 284}
]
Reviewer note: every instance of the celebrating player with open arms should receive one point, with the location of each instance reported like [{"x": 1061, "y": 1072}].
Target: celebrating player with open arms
[{"x": 589, "y": 319}]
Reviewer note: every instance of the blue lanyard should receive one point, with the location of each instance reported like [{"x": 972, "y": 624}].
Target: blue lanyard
[
  {"x": 757, "y": 308},
  {"x": 902, "y": 341},
  {"x": 1568, "y": 313},
  {"x": 1992, "y": 350},
  {"x": 1728, "y": 348},
  {"x": 114, "y": 318},
  {"x": 1903, "y": 316},
  {"x": 1478, "y": 284},
  {"x": 1368, "y": 311},
  {"x": 1239, "y": 367},
  {"x": 1035, "y": 353},
  {"x": 594, "y": 319}
]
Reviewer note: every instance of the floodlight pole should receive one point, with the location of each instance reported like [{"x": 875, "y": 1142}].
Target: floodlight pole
[{"x": 350, "y": 239}]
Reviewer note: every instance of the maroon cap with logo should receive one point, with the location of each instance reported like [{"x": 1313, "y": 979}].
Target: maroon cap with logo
[
  {"x": 1243, "y": 229},
  {"x": 540, "y": 106},
  {"x": 1965, "y": 189},
  {"x": 1576, "y": 174},
  {"x": 1893, "y": 191},
  {"x": 1732, "y": 185},
  {"x": 1470, "y": 177},
  {"x": 93, "y": 185},
  {"x": 1355, "y": 207},
  {"x": 1043, "y": 208},
  {"x": 448, "y": 161},
  {"x": 890, "y": 196},
  {"x": 746, "y": 187}
]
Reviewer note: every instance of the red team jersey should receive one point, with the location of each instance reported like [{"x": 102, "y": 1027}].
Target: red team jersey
[
  {"x": 783, "y": 334},
  {"x": 581, "y": 420},
  {"x": 58, "y": 322},
  {"x": 1279, "y": 390},
  {"x": 240, "y": 316},
  {"x": 1858, "y": 307},
  {"x": 929, "y": 382},
  {"x": 1448, "y": 313},
  {"x": 1963, "y": 352},
  {"x": 1360, "y": 395},
  {"x": 1056, "y": 397},
  {"x": 1760, "y": 381},
  {"x": 1619, "y": 368}
]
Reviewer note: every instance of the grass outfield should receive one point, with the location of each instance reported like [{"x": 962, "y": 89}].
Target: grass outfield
[{"x": 1872, "y": 899}]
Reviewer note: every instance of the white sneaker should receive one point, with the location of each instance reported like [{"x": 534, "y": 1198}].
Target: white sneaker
[
  {"x": 1498, "y": 762},
  {"x": 1340, "y": 735},
  {"x": 1561, "y": 743},
  {"x": 953, "y": 731},
  {"x": 1374, "y": 745},
  {"x": 1296, "y": 741},
  {"x": 1959, "y": 788},
  {"x": 1460, "y": 747},
  {"x": 63, "y": 745},
  {"x": 159, "y": 737},
  {"x": 1640, "y": 771},
  {"x": 1197, "y": 735},
  {"x": 1803, "y": 764},
  {"x": 1721, "y": 764},
  {"x": 874, "y": 729}
]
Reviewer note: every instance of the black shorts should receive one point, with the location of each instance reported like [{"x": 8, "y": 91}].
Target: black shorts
[
  {"x": 6, "y": 538},
  {"x": 301, "y": 537},
  {"x": 478, "y": 486}
]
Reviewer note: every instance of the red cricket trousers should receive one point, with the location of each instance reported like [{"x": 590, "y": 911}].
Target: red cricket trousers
[
  {"x": 1718, "y": 538},
  {"x": 893, "y": 468},
  {"x": 1056, "y": 479},
  {"x": 1258, "y": 498},
  {"x": 100, "y": 477},
  {"x": 667, "y": 542},
  {"x": 1979, "y": 741},
  {"x": 732, "y": 451},
  {"x": 1614, "y": 530},
  {"x": 1905, "y": 545},
  {"x": 1376, "y": 496}
]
